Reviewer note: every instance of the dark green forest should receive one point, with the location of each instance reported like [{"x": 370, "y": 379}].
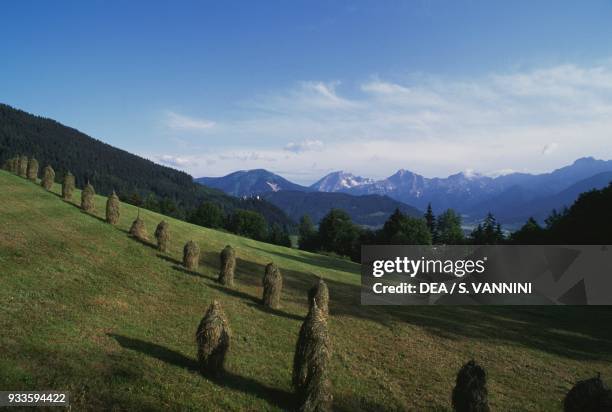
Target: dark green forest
[
  {"x": 587, "y": 222},
  {"x": 136, "y": 180}
]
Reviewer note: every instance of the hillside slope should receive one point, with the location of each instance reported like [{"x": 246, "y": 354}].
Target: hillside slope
[
  {"x": 109, "y": 168},
  {"x": 86, "y": 309}
]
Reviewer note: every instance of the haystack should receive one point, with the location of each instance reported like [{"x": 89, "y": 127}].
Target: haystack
[
  {"x": 228, "y": 266},
  {"x": 320, "y": 294},
  {"x": 470, "y": 393},
  {"x": 311, "y": 363},
  {"x": 48, "y": 177},
  {"x": 191, "y": 255},
  {"x": 13, "y": 165},
  {"x": 87, "y": 198},
  {"x": 32, "y": 172},
  {"x": 138, "y": 229},
  {"x": 588, "y": 395},
  {"x": 272, "y": 286},
  {"x": 112, "y": 209},
  {"x": 68, "y": 186},
  {"x": 213, "y": 340},
  {"x": 162, "y": 234},
  {"x": 23, "y": 166}
]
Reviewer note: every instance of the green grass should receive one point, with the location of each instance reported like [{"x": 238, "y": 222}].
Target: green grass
[{"x": 84, "y": 308}]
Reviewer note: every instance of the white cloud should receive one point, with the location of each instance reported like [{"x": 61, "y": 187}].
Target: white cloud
[
  {"x": 181, "y": 122},
  {"x": 549, "y": 148},
  {"x": 175, "y": 161},
  {"x": 307, "y": 145},
  {"x": 431, "y": 125}
]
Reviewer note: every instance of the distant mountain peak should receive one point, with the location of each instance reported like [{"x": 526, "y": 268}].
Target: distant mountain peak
[
  {"x": 339, "y": 181},
  {"x": 586, "y": 159},
  {"x": 246, "y": 183}
]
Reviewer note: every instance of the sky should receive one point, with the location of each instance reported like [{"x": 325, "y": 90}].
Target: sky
[{"x": 304, "y": 88}]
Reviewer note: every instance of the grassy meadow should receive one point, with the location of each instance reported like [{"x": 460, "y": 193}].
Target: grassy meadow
[{"x": 85, "y": 308}]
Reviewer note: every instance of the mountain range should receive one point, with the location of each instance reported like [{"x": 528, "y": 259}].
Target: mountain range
[{"x": 512, "y": 198}]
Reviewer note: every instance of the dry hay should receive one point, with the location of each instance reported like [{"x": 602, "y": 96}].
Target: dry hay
[
  {"x": 32, "y": 172},
  {"x": 162, "y": 235},
  {"x": 9, "y": 165},
  {"x": 112, "y": 209},
  {"x": 589, "y": 395},
  {"x": 138, "y": 229},
  {"x": 67, "y": 186},
  {"x": 48, "y": 177},
  {"x": 13, "y": 165},
  {"x": 320, "y": 294},
  {"x": 191, "y": 255},
  {"x": 22, "y": 166},
  {"x": 228, "y": 266},
  {"x": 311, "y": 363},
  {"x": 87, "y": 198},
  {"x": 470, "y": 393},
  {"x": 213, "y": 340},
  {"x": 272, "y": 286}
]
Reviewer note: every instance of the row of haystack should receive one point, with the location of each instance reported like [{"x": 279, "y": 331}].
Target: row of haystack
[
  {"x": 28, "y": 168},
  {"x": 311, "y": 363}
]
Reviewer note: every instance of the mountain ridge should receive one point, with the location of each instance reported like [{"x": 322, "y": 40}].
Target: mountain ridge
[{"x": 471, "y": 194}]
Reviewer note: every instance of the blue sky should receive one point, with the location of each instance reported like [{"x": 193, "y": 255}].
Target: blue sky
[{"x": 304, "y": 88}]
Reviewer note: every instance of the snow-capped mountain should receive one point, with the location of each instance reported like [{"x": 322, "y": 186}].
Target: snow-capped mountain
[
  {"x": 511, "y": 196},
  {"x": 339, "y": 181},
  {"x": 475, "y": 195}
]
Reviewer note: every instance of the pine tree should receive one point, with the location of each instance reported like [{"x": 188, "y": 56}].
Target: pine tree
[{"x": 430, "y": 219}]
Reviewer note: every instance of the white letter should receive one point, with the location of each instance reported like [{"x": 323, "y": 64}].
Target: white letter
[{"x": 378, "y": 272}]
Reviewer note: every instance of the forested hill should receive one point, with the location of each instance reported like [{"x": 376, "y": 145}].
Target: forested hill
[{"x": 109, "y": 168}]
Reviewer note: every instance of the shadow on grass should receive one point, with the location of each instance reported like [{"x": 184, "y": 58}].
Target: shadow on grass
[
  {"x": 277, "y": 397},
  {"x": 146, "y": 243},
  {"x": 169, "y": 259},
  {"x": 276, "y": 312},
  {"x": 316, "y": 260},
  {"x": 189, "y": 272},
  {"x": 235, "y": 293},
  {"x": 574, "y": 332}
]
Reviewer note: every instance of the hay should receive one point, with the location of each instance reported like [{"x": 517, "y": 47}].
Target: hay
[
  {"x": 138, "y": 229},
  {"x": 22, "y": 169},
  {"x": 32, "y": 171},
  {"x": 162, "y": 235},
  {"x": 112, "y": 209},
  {"x": 470, "y": 393},
  {"x": 228, "y": 265},
  {"x": 13, "y": 165},
  {"x": 213, "y": 340},
  {"x": 588, "y": 395},
  {"x": 191, "y": 255},
  {"x": 311, "y": 363},
  {"x": 272, "y": 286},
  {"x": 48, "y": 177},
  {"x": 68, "y": 186},
  {"x": 320, "y": 294},
  {"x": 87, "y": 198}
]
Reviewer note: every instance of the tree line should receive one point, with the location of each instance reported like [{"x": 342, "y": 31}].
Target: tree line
[
  {"x": 587, "y": 221},
  {"x": 135, "y": 180}
]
